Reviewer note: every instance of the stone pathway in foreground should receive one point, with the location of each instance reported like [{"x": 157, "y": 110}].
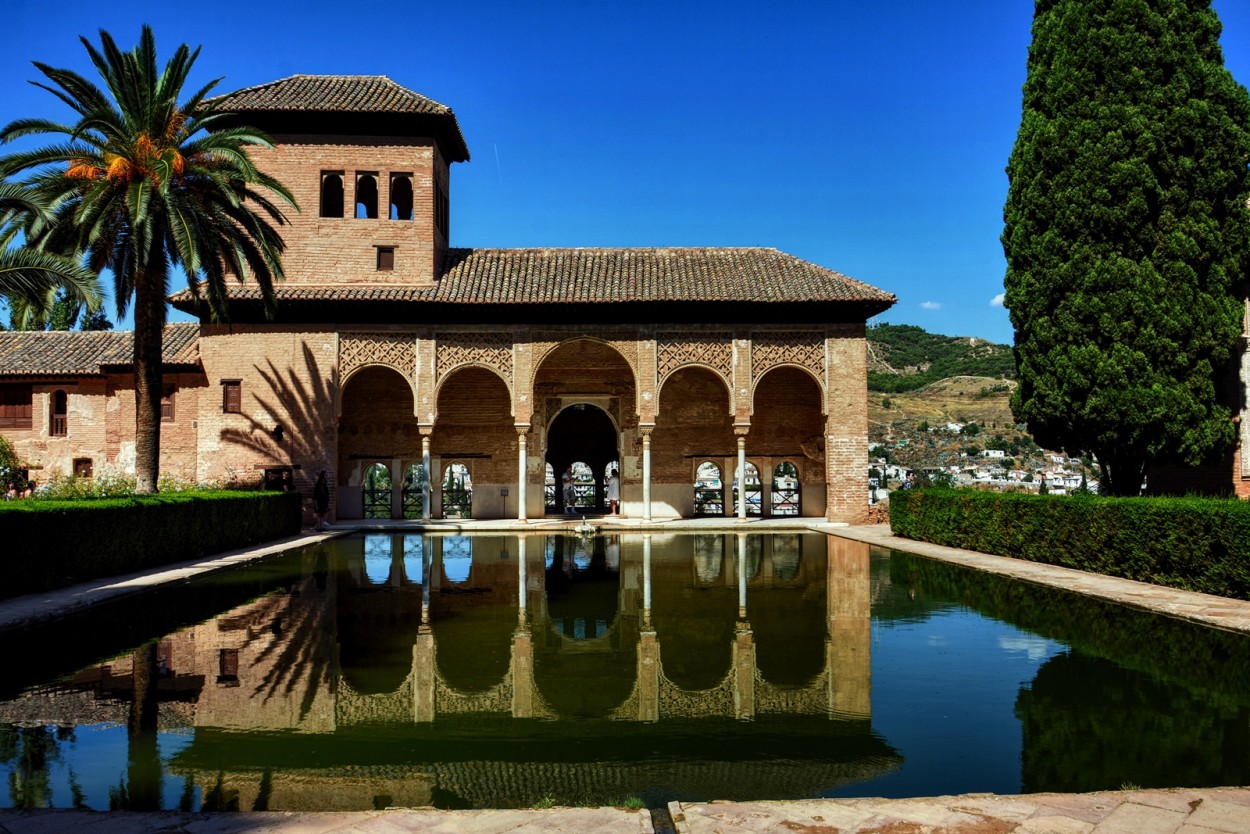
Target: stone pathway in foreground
[
  {"x": 1179, "y": 811},
  {"x": 1199, "y": 811}
]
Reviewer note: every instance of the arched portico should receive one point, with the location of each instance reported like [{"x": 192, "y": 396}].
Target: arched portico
[
  {"x": 584, "y": 400},
  {"x": 376, "y": 426}
]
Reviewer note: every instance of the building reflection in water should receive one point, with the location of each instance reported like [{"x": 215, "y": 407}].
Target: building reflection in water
[{"x": 585, "y": 635}]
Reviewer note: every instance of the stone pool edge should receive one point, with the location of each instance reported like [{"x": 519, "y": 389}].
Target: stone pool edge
[{"x": 1203, "y": 609}]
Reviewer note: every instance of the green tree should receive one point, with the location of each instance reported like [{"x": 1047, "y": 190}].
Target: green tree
[
  {"x": 30, "y": 279},
  {"x": 1126, "y": 234},
  {"x": 145, "y": 180}
]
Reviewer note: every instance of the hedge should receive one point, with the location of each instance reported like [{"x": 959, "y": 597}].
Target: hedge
[
  {"x": 1198, "y": 544},
  {"x": 51, "y": 544}
]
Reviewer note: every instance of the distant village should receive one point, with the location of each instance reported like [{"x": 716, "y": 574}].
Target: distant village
[{"x": 948, "y": 459}]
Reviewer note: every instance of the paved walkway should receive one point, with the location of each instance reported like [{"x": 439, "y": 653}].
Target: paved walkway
[
  {"x": 1205, "y": 609},
  {"x": 1208, "y": 811},
  {"x": 1181, "y": 811}
]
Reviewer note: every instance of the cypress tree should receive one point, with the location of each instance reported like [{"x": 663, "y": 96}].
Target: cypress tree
[{"x": 1127, "y": 234}]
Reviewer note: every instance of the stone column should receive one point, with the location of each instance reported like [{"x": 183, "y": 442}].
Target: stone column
[
  {"x": 429, "y": 476},
  {"x": 646, "y": 471},
  {"x": 522, "y": 433},
  {"x": 741, "y": 433}
]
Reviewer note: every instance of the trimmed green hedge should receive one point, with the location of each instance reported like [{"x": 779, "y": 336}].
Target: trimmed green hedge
[
  {"x": 1199, "y": 544},
  {"x": 52, "y": 544}
]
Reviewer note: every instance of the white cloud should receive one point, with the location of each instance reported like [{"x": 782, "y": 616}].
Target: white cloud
[
  {"x": 997, "y": 301},
  {"x": 930, "y": 305}
]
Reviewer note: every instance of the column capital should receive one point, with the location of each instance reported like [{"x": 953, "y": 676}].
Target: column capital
[
  {"x": 425, "y": 430},
  {"x": 522, "y": 429},
  {"x": 645, "y": 429},
  {"x": 742, "y": 429}
]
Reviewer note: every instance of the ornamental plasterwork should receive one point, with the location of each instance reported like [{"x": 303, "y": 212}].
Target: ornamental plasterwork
[
  {"x": 713, "y": 350},
  {"x": 394, "y": 350},
  {"x": 802, "y": 348},
  {"x": 490, "y": 349}
]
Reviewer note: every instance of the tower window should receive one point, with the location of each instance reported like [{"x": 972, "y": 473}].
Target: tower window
[
  {"x": 331, "y": 194},
  {"x": 386, "y": 258},
  {"x": 401, "y": 196},
  {"x": 442, "y": 211},
  {"x": 366, "y": 196}
]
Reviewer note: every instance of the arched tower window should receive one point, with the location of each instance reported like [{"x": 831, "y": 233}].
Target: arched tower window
[
  {"x": 401, "y": 197},
  {"x": 331, "y": 194},
  {"x": 366, "y": 196}
]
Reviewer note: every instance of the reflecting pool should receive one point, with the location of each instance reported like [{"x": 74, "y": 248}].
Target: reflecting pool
[{"x": 497, "y": 671}]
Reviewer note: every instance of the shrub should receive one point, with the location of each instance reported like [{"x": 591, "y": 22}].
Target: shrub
[
  {"x": 69, "y": 541},
  {"x": 1198, "y": 544}
]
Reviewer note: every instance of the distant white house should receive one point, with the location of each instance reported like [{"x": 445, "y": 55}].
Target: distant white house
[{"x": 993, "y": 453}]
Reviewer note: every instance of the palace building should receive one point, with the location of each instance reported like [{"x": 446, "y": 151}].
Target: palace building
[{"x": 716, "y": 381}]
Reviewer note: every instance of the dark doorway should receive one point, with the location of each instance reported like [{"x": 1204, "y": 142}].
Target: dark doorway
[{"x": 581, "y": 433}]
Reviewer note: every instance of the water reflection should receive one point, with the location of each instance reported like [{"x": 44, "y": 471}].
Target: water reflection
[{"x": 501, "y": 671}]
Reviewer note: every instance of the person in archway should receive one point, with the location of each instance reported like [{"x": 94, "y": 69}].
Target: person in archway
[
  {"x": 570, "y": 496},
  {"x": 614, "y": 490}
]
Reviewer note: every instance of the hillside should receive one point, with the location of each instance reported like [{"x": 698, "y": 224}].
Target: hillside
[{"x": 903, "y": 357}]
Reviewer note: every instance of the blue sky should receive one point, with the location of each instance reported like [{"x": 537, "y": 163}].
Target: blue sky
[{"x": 868, "y": 137}]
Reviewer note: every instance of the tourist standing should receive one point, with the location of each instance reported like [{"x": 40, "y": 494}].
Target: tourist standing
[
  {"x": 321, "y": 500},
  {"x": 614, "y": 490},
  {"x": 570, "y": 495}
]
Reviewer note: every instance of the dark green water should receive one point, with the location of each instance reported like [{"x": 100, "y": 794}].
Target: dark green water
[{"x": 485, "y": 672}]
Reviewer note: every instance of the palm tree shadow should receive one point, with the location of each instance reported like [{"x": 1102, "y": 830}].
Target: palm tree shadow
[{"x": 301, "y": 408}]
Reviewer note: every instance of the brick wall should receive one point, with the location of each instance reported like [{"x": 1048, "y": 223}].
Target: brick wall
[{"x": 343, "y": 250}]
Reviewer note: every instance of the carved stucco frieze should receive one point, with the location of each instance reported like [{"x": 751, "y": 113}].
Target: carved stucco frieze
[
  {"x": 393, "y": 350},
  {"x": 803, "y": 348},
  {"x": 491, "y": 349},
  {"x": 710, "y": 349}
]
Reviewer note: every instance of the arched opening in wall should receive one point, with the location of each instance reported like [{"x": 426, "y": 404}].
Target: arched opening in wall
[
  {"x": 58, "y": 419},
  {"x": 693, "y": 425},
  {"x": 786, "y": 495},
  {"x": 474, "y": 428},
  {"x": 377, "y": 491},
  {"x": 331, "y": 194},
  {"x": 787, "y": 425},
  {"x": 366, "y": 196},
  {"x": 585, "y": 394},
  {"x": 414, "y": 490},
  {"x": 580, "y": 442},
  {"x": 414, "y": 560},
  {"x": 709, "y": 557},
  {"x": 752, "y": 489},
  {"x": 401, "y": 197},
  {"x": 376, "y": 423},
  {"x": 709, "y": 490},
  {"x": 457, "y": 491}
]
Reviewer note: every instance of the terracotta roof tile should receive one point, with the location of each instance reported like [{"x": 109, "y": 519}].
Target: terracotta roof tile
[
  {"x": 332, "y": 94},
  {"x": 56, "y": 353},
  {"x": 580, "y": 276},
  {"x": 374, "y": 100}
]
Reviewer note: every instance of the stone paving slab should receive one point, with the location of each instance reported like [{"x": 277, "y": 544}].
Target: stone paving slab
[
  {"x": 1181, "y": 811},
  {"x": 1204, "y": 609}
]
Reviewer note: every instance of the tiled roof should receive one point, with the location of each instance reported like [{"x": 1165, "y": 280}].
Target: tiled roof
[
  {"x": 332, "y": 94},
  {"x": 57, "y": 353},
  {"x": 582, "y": 276},
  {"x": 277, "y": 105}
]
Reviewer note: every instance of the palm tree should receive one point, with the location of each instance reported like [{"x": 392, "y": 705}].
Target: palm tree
[
  {"x": 29, "y": 278},
  {"x": 142, "y": 182}
]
